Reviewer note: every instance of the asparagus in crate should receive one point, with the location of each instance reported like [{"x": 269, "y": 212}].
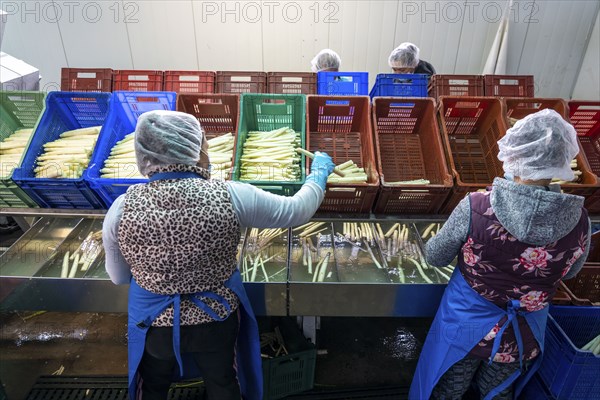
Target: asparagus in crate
[
  {"x": 352, "y": 174},
  {"x": 69, "y": 155},
  {"x": 271, "y": 156},
  {"x": 121, "y": 163},
  {"x": 265, "y": 256},
  {"x": 220, "y": 152},
  {"x": 12, "y": 149}
]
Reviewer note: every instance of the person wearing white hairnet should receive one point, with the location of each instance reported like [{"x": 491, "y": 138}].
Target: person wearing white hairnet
[
  {"x": 514, "y": 244},
  {"x": 404, "y": 59},
  {"x": 326, "y": 61},
  {"x": 175, "y": 240}
]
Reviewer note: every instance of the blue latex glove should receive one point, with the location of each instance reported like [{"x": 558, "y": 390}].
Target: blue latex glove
[{"x": 322, "y": 166}]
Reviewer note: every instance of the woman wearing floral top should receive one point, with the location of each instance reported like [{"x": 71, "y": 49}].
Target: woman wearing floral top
[{"x": 514, "y": 243}]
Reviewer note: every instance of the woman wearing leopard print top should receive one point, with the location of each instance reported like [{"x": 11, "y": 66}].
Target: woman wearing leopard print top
[{"x": 174, "y": 240}]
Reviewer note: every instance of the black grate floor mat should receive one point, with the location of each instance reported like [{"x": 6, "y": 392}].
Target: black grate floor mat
[
  {"x": 97, "y": 388},
  {"x": 115, "y": 388}
]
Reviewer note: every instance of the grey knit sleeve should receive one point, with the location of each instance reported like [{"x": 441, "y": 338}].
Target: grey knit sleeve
[
  {"x": 443, "y": 247},
  {"x": 575, "y": 268}
]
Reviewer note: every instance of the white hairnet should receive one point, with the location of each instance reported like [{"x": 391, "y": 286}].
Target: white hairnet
[
  {"x": 166, "y": 138},
  {"x": 326, "y": 59},
  {"x": 404, "y": 56},
  {"x": 539, "y": 146}
]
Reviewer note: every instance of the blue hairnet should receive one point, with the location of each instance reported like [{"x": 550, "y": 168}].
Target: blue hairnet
[
  {"x": 166, "y": 138},
  {"x": 539, "y": 146}
]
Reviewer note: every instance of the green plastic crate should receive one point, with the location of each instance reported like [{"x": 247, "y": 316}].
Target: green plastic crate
[
  {"x": 266, "y": 112},
  {"x": 18, "y": 110},
  {"x": 288, "y": 375}
]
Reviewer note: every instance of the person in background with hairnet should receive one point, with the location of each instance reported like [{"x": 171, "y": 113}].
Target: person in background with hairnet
[
  {"x": 326, "y": 61},
  {"x": 175, "y": 240},
  {"x": 404, "y": 59},
  {"x": 514, "y": 243}
]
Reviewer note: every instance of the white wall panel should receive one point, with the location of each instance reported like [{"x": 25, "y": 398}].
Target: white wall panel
[
  {"x": 225, "y": 39},
  {"x": 554, "y": 45},
  {"x": 588, "y": 81},
  {"x": 162, "y": 35},
  {"x": 31, "y": 34},
  {"x": 455, "y": 36},
  {"x": 96, "y": 36}
]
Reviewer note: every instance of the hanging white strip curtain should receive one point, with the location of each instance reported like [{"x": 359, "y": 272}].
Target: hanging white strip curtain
[{"x": 497, "y": 58}]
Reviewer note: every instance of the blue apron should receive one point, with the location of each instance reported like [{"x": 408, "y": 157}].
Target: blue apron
[
  {"x": 463, "y": 319},
  {"x": 144, "y": 307}
]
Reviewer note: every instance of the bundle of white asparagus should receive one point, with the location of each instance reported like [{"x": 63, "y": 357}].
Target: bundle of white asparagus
[
  {"x": 313, "y": 259},
  {"x": 353, "y": 174},
  {"x": 12, "y": 149},
  {"x": 121, "y": 163},
  {"x": 260, "y": 247},
  {"x": 220, "y": 153},
  {"x": 82, "y": 258},
  {"x": 69, "y": 155},
  {"x": 271, "y": 156}
]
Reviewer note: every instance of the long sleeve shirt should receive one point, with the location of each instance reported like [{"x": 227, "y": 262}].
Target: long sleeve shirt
[{"x": 254, "y": 208}]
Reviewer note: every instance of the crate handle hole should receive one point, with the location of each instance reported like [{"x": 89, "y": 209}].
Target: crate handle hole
[
  {"x": 341, "y": 78},
  {"x": 292, "y": 79},
  {"x": 402, "y": 105},
  {"x": 337, "y": 102},
  {"x": 512, "y": 82},
  {"x": 139, "y": 77},
  {"x": 461, "y": 82},
  {"x": 189, "y": 78},
  {"x": 402, "y": 80},
  {"x": 241, "y": 79},
  {"x": 147, "y": 99},
  {"x": 90, "y": 75}
]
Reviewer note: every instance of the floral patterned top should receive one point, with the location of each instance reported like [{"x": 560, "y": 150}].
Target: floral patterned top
[{"x": 500, "y": 268}]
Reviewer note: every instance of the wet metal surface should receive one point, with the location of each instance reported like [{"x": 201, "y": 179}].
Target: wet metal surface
[{"x": 360, "y": 352}]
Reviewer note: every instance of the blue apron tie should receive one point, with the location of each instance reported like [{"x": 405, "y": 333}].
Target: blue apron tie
[
  {"x": 174, "y": 175},
  {"x": 512, "y": 312},
  {"x": 176, "y": 302}
]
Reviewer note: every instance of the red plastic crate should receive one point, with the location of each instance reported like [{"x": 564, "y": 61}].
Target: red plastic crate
[
  {"x": 292, "y": 83},
  {"x": 190, "y": 81},
  {"x": 138, "y": 81},
  {"x": 509, "y": 85},
  {"x": 408, "y": 146},
  {"x": 241, "y": 82},
  {"x": 471, "y": 128},
  {"x": 341, "y": 127},
  {"x": 86, "y": 79},
  {"x": 217, "y": 113},
  {"x": 456, "y": 85},
  {"x": 585, "y": 117}
]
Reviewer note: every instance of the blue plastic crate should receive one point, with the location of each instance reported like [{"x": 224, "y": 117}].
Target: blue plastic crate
[
  {"x": 125, "y": 109},
  {"x": 400, "y": 85},
  {"x": 535, "y": 390},
  {"x": 64, "y": 111},
  {"x": 343, "y": 83},
  {"x": 568, "y": 372}
]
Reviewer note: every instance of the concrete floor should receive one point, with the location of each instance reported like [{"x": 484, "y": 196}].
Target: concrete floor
[{"x": 360, "y": 352}]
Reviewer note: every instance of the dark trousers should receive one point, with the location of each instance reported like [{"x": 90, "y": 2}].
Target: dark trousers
[
  {"x": 212, "y": 346},
  {"x": 456, "y": 381}
]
